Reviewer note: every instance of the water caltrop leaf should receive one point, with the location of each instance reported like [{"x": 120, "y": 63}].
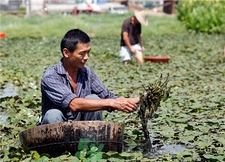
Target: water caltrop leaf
[
  {"x": 83, "y": 143},
  {"x": 93, "y": 148},
  {"x": 179, "y": 120},
  {"x": 214, "y": 157},
  {"x": 112, "y": 153},
  {"x": 43, "y": 159},
  {"x": 183, "y": 154},
  {"x": 131, "y": 143},
  {"x": 202, "y": 144},
  {"x": 212, "y": 121},
  {"x": 221, "y": 140},
  {"x": 125, "y": 154},
  {"x": 35, "y": 154},
  {"x": 137, "y": 155}
]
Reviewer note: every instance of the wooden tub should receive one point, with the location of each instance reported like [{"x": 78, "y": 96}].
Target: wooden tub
[{"x": 55, "y": 139}]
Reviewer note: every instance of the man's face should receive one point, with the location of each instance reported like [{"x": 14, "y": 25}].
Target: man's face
[
  {"x": 79, "y": 57},
  {"x": 135, "y": 21}
]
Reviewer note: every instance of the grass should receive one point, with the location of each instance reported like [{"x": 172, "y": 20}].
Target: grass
[{"x": 96, "y": 25}]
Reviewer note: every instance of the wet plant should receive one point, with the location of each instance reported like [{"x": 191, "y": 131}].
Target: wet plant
[{"x": 149, "y": 102}]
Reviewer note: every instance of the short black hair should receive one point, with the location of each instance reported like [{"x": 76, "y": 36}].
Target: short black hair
[{"x": 72, "y": 38}]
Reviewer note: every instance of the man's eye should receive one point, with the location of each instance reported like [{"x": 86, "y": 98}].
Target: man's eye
[{"x": 83, "y": 53}]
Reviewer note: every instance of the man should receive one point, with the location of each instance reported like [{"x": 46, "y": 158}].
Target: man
[
  {"x": 72, "y": 91},
  {"x": 131, "y": 41}
]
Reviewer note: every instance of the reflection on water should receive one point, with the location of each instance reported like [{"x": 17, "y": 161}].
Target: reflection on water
[
  {"x": 8, "y": 90},
  {"x": 172, "y": 148},
  {"x": 158, "y": 147},
  {"x": 3, "y": 118}
]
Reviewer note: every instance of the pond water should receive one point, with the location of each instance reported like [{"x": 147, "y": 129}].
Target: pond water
[
  {"x": 172, "y": 148},
  {"x": 8, "y": 90},
  {"x": 3, "y": 117},
  {"x": 158, "y": 147}
]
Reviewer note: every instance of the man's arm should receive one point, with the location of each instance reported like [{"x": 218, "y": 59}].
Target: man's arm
[
  {"x": 127, "y": 42},
  {"x": 140, "y": 41},
  {"x": 87, "y": 105},
  {"x": 108, "y": 99}
]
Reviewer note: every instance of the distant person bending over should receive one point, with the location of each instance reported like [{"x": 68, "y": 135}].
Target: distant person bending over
[
  {"x": 131, "y": 41},
  {"x": 71, "y": 91}
]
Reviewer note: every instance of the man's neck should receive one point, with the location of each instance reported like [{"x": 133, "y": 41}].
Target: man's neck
[{"x": 71, "y": 71}]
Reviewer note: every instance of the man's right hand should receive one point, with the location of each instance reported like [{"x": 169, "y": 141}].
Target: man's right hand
[
  {"x": 126, "y": 104},
  {"x": 133, "y": 50}
]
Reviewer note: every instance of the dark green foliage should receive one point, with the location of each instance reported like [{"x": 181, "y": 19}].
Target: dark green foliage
[{"x": 206, "y": 16}]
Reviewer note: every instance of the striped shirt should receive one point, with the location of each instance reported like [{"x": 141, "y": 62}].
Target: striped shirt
[{"x": 57, "y": 91}]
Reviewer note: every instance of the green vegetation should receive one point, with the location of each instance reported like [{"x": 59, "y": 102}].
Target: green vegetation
[
  {"x": 94, "y": 25},
  {"x": 193, "y": 116},
  {"x": 203, "y": 16},
  {"x": 89, "y": 153}
]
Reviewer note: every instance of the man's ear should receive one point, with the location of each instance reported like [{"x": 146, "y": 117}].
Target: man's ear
[{"x": 66, "y": 52}]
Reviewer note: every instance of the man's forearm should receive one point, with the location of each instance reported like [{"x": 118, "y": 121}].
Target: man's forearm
[
  {"x": 88, "y": 105},
  {"x": 127, "y": 42},
  {"x": 140, "y": 40}
]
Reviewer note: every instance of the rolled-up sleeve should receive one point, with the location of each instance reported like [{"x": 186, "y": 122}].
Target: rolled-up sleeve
[{"x": 56, "y": 91}]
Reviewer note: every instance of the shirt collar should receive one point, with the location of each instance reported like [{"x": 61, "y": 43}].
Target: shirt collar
[{"x": 59, "y": 68}]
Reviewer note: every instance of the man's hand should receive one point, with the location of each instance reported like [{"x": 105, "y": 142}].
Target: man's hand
[
  {"x": 126, "y": 104},
  {"x": 133, "y": 50}
]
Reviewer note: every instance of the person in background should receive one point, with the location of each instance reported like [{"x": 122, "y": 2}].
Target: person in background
[
  {"x": 131, "y": 40},
  {"x": 71, "y": 91}
]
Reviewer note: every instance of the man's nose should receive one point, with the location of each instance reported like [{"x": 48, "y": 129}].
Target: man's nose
[{"x": 86, "y": 56}]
